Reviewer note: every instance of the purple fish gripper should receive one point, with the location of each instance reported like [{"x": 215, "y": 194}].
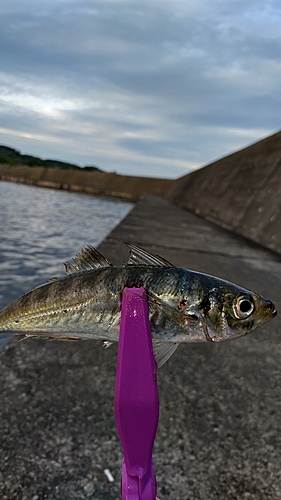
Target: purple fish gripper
[{"x": 136, "y": 402}]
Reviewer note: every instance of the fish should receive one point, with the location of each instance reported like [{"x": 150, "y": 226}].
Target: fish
[{"x": 184, "y": 305}]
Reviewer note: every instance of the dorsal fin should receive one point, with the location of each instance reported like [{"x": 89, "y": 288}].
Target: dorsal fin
[
  {"x": 86, "y": 259},
  {"x": 139, "y": 256}
]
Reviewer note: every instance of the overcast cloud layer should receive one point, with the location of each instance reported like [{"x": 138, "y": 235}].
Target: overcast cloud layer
[{"x": 139, "y": 87}]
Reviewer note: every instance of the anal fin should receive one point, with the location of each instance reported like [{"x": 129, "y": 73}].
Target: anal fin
[{"x": 106, "y": 344}]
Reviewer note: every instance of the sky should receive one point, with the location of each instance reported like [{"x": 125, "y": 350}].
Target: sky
[{"x": 150, "y": 87}]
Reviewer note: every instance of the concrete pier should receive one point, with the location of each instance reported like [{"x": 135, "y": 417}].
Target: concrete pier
[{"x": 219, "y": 435}]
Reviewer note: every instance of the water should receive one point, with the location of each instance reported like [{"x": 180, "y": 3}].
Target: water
[{"x": 42, "y": 228}]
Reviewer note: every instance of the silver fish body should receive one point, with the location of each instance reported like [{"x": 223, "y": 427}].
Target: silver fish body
[{"x": 184, "y": 306}]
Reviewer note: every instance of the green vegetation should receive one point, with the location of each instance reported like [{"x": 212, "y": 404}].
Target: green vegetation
[{"x": 11, "y": 156}]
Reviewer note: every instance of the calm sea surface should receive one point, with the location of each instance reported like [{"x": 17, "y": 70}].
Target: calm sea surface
[{"x": 42, "y": 228}]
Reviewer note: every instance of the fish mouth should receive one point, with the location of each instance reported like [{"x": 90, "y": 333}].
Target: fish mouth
[{"x": 271, "y": 311}]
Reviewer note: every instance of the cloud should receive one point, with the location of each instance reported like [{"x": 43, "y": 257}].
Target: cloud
[{"x": 151, "y": 88}]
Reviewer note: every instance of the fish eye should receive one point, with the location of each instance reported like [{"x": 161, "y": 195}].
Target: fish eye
[{"x": 243, "y": 307}]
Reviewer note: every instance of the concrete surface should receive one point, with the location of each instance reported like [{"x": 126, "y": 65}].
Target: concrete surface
[
  {"x": 127, "y": 187},
  {"x": 241, "y": 192},
  {"x": 219, "y": 435}
]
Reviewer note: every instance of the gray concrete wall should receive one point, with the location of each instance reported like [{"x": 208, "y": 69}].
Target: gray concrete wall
[
  {"x": 241, "y": 192},
  {"x": 110, "y": 184}
]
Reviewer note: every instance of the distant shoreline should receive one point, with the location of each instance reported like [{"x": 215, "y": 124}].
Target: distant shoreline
[{"x": 128, "y": 188}]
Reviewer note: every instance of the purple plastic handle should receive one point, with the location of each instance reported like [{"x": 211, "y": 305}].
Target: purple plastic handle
[{"x": 136, "y": 401}]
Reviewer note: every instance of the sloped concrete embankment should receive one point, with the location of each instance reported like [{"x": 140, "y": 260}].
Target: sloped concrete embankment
[
  {"x": 110, "y": 184},
  {"x": 241, "y": 192}
]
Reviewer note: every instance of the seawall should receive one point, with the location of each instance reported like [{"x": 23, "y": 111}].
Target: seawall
[
  {"x": 241, "y": 192},
  {"x": 110, "y": 184}
]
